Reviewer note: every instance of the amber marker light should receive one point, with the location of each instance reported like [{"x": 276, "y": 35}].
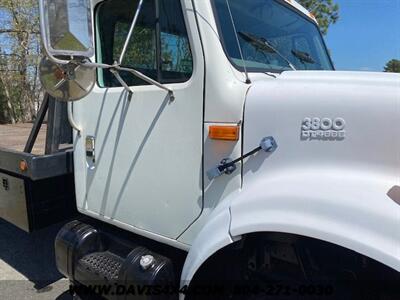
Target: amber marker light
[
  {"x": 23, "y": 165},
  {"x": 225, "y": 133}
]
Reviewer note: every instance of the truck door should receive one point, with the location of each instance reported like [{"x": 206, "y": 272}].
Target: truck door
[{"x": 145, "y": 170}]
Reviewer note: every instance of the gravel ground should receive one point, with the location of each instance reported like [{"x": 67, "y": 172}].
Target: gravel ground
[
  {"x": 14, "y": 137},
  {"x": 27, "y": 265}
]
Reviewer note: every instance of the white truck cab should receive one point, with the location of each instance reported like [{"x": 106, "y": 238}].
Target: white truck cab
[{"x": 219, "y": 129}]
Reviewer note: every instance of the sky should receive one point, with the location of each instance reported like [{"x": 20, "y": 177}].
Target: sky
[{"x": 366, "y": 36}]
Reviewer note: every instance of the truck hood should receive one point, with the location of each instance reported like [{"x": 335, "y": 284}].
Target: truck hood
[
  {"x": 336, "y": 165},
  {"x": 368, "y": 105}
]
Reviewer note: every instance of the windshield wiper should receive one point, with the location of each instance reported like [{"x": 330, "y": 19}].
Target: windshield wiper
[
  {"x": 304, "y": 57},
  {"x": 261, "y": 43}
]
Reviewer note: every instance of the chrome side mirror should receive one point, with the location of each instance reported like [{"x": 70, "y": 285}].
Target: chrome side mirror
[
  {"x": 66, "y": 28},
  {"x": 67, "y": 36}
]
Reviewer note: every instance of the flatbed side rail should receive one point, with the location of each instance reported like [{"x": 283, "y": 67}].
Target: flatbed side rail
[{"x": 37, "y": 166}]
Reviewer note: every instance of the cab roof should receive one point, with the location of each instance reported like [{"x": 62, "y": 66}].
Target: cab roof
[{"x": 302, "y": 9}]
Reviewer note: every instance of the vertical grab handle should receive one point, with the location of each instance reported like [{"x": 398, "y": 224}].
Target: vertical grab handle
[{"x": 71, "y": 118}]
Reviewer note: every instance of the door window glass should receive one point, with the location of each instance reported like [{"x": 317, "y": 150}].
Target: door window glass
[
  {"x": 159, "y": 46},
  {"x": 176, "y": 57}
]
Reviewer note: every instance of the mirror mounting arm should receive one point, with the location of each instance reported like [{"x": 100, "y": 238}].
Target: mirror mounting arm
[
  {"x": 148, "y": 80},
  {"x": 130, "y": 33},
  {"x": 121, "y": 81},
  {"x": 116, "y": 67}
]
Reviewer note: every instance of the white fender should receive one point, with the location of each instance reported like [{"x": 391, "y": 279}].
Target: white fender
[
  {"x": 359, "y": 218},
  {"x": 352, "y": 211},
  {"x": 213, "y": 237}
]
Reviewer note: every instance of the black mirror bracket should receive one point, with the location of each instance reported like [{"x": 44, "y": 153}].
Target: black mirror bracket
[{"x": 228, "y": 166}]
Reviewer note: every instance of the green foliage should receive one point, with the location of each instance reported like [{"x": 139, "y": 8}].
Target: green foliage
[
  {"x": 141, "y": 52},
  {"x": 326, "y": 12},
  {"x": 393, "y": 66}
]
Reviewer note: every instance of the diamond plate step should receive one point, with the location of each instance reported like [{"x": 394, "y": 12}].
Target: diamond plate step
[{"x": 104, "y": 264}]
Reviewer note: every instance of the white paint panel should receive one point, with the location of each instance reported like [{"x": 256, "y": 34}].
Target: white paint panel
[
  {"x": 215, "y": 191},
  {"x": 148, "y": 168}
]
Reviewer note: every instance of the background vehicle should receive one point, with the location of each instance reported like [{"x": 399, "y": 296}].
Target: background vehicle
[{"x": 218, "y": 146}]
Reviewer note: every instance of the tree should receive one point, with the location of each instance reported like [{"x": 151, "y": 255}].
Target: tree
[
  {"x": 325, "y": 11},
  {"x": 393, "y": 66},
  {"x": 19, "y": 56}
]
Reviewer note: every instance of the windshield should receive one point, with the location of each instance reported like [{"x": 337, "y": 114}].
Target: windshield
[{"x": 272, "y": 36}]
